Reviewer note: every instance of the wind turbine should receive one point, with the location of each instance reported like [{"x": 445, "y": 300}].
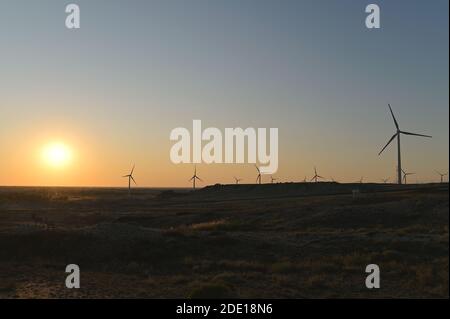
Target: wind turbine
[
  {"x": 442, "y": 176},
  {"x": 237, "y": 180},
  {"x": 385, "y": 180},
  {"x": 361, "y": 179},
  {"x": 397, "y": 135},
  {"x": 193, "y": 178},
  {"x": 130, "y": 177},
  {"x": 406, "y": 174},
  {"x": 304, "y": 180},
  {"x": 272, "y": 179},
  {"x": 258, "y": 178},
  {"x": 316, "y": 176}
]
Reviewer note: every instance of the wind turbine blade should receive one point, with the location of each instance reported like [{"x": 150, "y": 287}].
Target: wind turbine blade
[
  {"x": 392, "y": 138},
  {"x": 392, "y": 113},
  {"x": 191, "y": 178},
  {"x": 320, "y": 177},
  {"x": 133, "y": 180},
  {"x": 409, "y": 133},
  {"x": 199, "y": 178},
  {"x": 257, "y": 168},
  {"x": 125, "y": 175},
  {"x": 132, "y": 170},
  {"x": 313, "y": 178}
]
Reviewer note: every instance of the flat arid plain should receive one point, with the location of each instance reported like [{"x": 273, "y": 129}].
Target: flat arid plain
[{"x": 287, "y": 240}]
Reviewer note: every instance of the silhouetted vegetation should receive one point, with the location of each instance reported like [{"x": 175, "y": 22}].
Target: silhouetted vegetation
[{"x": 226, "y": 241}]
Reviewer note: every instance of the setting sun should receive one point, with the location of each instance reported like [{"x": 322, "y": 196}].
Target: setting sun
[{"x": 56, "y": 154}]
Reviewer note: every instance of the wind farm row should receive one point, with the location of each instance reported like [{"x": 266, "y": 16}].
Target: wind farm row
[{"x": 402, "y": 174}]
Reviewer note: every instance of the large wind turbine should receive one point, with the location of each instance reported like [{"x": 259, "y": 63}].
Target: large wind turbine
[
  {"x": 397, "y": 135},
  {"x": 316, "y": 176},
  {"x": 405, "y": 174},
  {"x": 130, "y": 177},
  {"x": 194, "y": 177},
  {"x": 258, "y": 178},
  {"x": 442, "y": 176}
]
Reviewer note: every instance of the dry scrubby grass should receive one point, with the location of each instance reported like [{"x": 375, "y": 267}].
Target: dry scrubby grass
[{"x": 239, "y": 245}]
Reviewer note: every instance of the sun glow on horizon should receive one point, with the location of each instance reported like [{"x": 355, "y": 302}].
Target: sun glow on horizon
[{"x": 57, "y": 154}]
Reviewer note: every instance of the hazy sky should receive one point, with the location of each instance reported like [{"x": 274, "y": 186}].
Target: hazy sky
[{"x": 114, "y": 89}]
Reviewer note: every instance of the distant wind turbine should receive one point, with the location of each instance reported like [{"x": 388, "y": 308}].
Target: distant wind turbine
[
  {"x": 405, "y": 174},
  {"x": 194, "y": 177},
  {"x": 316, "y": 176},
  {"x": 237, "y": 180},
  {"x": 258, "y": 178},
  {"x": 304, "y": 180},
  {"x": 130, "y": 177},
  {"x": 272, "y": 179},
  {"x": 361, "y": 180},
  {"x": 442, "y": 175},
  {"x": 385, "y": 180},
  {"x": 397, "y": 135}
]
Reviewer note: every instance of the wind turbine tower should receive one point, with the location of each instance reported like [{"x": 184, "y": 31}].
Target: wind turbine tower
[
  {"x": 195, "y": 177},
  {"x": 442, "y": 176},
  {"x": 130, "y": 177},
  {"x": 397, "y": 135},
  {"x": 316, "y": 176},
  {"x": 405, "y": 174},
  {"x": 258, "y": 178}
]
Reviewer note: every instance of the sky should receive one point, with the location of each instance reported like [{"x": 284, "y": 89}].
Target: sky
[{"x": 113, "y": 90}]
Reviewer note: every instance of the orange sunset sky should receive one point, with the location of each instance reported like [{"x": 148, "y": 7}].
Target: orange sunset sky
[{"x": 80, "y": 107}]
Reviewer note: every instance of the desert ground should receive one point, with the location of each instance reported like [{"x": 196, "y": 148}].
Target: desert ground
[{"x": 287, "y": 240}]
